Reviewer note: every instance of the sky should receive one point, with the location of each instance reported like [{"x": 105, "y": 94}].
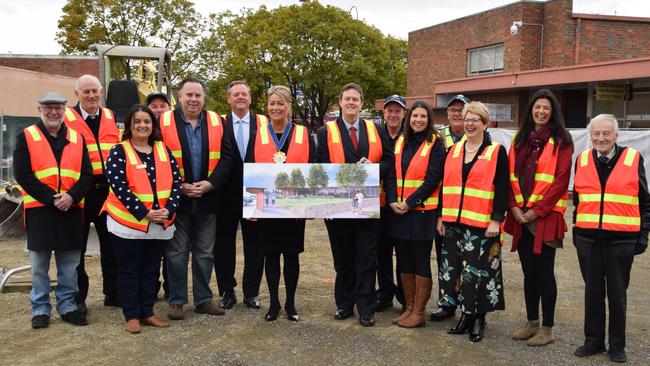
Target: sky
[{"x": 29, "y": 27}]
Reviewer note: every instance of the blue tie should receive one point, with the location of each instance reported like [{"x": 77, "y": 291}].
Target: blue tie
[{"x": 240, "y": 140}]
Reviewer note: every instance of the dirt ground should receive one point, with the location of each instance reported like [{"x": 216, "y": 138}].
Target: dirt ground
[{"x": 242, "y": 337}]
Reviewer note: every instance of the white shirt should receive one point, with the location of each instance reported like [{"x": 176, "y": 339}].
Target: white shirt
[
  {"x": 85, "y": 114},
  {"x": 246, "y": 127},
  {"x": 355, "y": 125},
  {"x": 156, "y": 232}
]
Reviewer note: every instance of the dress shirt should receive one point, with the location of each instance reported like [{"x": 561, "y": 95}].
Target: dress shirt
[
  {"x": 349, "y": 125},
  {"x": 246, "y": 126},
  {"x": 196, "y": 145}
]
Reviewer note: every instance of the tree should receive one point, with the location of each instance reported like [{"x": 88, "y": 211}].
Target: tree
[
  {"x": 282, "y": 180},
  {"x": 297, "y": 179},
  {"x": 317, "y": 176},
  {"x": 351, "y": 175},
  {"x": 173, "y": 24},
  {"x": 311, "y": 48}
]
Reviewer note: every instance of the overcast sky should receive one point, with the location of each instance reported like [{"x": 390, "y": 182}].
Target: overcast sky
[{"x": 29, "y": 27}]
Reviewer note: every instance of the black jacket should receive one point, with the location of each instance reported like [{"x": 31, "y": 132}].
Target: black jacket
[{"x": 49, "y": 228}]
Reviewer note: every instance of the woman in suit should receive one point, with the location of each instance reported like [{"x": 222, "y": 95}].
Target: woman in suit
[
  {"x": 418, "y": 169},
  {"x": 474, "y": 197},
  {"x": 540, "y": 168},
  {"x": 281, "y": 141},
  {"x": 145, "y": 191}
]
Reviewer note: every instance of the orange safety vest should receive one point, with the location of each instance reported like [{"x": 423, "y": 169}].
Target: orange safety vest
[
  {"x": 415, "y": 174},
  {"x": 544, "y": 178},
  {"x": 335, "y": 144},
  {"x": 109, "y": 135},
  {"x": 45, "y": 167},
  {"x": 138, "y": 181},
  {"x": 477, "y": 194},
  {"x": 616, "y": 207},
  {"x": 265, "y": 148},
  {"x": 170, "y": 137}
]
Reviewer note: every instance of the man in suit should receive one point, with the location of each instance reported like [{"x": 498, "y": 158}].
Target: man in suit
[
  {"x": 98, "y": 127},
  {"x": 195, "y": 137},
  {"x": 352, "y": 140},
  {"x": 240, "y": 130}
]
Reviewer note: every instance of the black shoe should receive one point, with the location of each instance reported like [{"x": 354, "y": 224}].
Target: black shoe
[
  {"x": 617, "y": 356},
  {"x": 82, "y": 308},
  {"x": 464, "y": 324},
  {"x": 112, "y": 301},
  {"x": 40, "y": 321},
  {"x": 228, "y": 300},
  {"x": 75, "y": 318},
  {"x": 442, "y": 314},
  {"x": 367, "y": 320},
  {"x": 272, "y": 314},
  {"x": 477, "y": 329},
  {"x": 252, "y": 302},
  {"x": 382, "y": 304},
  {"x": 342, "y": 314},
  {"x": 292, "y": 314},
  {"x": 584, "y": 350}
]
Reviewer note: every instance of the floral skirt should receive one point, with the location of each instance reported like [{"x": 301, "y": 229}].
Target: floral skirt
[{"x": 470, "y": 272}]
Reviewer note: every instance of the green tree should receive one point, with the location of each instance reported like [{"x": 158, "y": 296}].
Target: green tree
[
  {"x": 317, "y": 176},
  {"x": 282, "y": 180},
  {"x": 297, "y": 179},
  {"x": 311, "y": 48},
  {"x": 172, "y": 24},
  {"x": 351, "y": 175}
]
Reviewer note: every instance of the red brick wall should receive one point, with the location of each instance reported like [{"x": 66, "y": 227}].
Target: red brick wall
[
  {"x": 56, "y": 65},
  {"x": 559, "y": 34},
  {"x": 607, "y": 40}
]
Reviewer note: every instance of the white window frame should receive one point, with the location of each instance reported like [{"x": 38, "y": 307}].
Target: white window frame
[{"x": 487, "y": 51}]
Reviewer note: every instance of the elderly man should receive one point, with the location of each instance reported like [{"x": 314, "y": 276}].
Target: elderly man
[
  {"x": 394, "y": 112},
  {"x": 194, "y": 136},
  {"x": 97, "y": 125},
  {"x": 611, "y": 225},
  {"x": 52, "y": 166},
  {"x": 158, "y": 102}
]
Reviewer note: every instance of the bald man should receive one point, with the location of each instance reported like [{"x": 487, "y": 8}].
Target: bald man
[{"x": 98, "y": 127}]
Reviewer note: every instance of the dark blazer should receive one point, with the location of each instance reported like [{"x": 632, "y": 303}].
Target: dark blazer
[
  {"x": 48, "y": 227},
  {"x": 211, "y": 200},
  {"x": 233, "y": 188}
]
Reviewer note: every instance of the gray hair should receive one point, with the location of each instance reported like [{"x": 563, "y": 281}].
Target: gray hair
[
  {"x": 87, "y": 76},
  {"x": 604, "y": 117}
]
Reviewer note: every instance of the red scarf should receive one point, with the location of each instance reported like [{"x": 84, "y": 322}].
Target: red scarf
[{"x": 526, "y": 159}]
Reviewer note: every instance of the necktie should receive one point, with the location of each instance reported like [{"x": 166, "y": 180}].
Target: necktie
[
  {"x": 603, "y": 159},
  {"x": 353, "y": 137},
  {"x": 240, "y": 139}
]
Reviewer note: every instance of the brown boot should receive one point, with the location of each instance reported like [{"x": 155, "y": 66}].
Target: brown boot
[
  {"x": 542, "y": 338},
  {"x": 133, "y": 326},
  {"x": 154, "y": 321},
  {"x": 526, "y": 331},
  {"x": 209, "y": 308},
  {"x": 422, "y": 295},
  {"x": 176, "y": 312},
  {"x": 408, "y": 285}
]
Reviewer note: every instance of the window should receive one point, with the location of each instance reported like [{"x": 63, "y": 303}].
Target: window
[{"x": 485, "y": 60}]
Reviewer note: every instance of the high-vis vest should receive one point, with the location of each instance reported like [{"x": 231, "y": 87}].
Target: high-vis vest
[
  {"x": 614, "y": 207},
  {"x": 449, "y": 141},
  {"x": 170, "y": 137},
  {"x": 44, "y": 165},
  {"x": 335, "y": 144},
  {"x": 544, "y": 178},
  {"x": 415, "y": 174},
  {"x": 265, "y": 147},
  {"x": 109, "y": 135},
  {"x": 139, "y": 184},
  {"x": 478, "y": 193}
]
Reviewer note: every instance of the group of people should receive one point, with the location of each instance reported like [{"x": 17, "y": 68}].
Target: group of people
[{"x": 458, "y": 188}]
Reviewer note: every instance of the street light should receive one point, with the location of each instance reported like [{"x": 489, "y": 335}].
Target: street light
[
  {"x": 514, "y": 29},
  {"x": 356, "y": 11}
]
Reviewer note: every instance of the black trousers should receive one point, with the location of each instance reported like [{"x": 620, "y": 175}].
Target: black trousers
[
  {"x": 385, "y": 279},
  {"x": 414, "y": 256},
  {"x": 94, "y": 201},
  {"x": 605, "y": 269},
  {"x": 354, "y": 249},
  {"x": 138, "y": 261},
  {"x": 225, "y": 253}
]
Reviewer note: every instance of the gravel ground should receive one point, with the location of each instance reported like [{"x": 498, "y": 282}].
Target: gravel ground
[{"x": 242, "y": 337}]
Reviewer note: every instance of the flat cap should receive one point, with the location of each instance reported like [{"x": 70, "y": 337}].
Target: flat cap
[{"x": 52, "y": 98}]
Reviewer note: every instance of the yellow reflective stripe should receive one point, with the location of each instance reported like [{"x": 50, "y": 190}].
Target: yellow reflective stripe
[
  {"x": 543, "y": 177},
  {"x": 479, "y": 193},
  {"x": 629, "y": 156},
  {"x": 609, "y": 197},
  {"x": 177, "y": 153},
  {"x": 584, "y": 156},
  {"x": 97, "y": 165},
  {"x": 160, "y": 150},
  {"x": 609, "y": 219},
  {"x": 561, "y": 203},
  {"x": 46, "y": 172},
  {"x": 164, "y": 194},
  {"x": 589, "y": 197},
  {"x": 299, "y": 131},
  {"x": 448, "y": 140},
  {"x": 451, "y": 190},
  {"x": 69, "y": 115},
  {"x": 124, "y": 215},
  {"x": 372, "y": 131},
  {"x": 449, "y": 211},
  {"x": 130, "y": 154},
  {"x": 28, "y": 199},
  {"x": 106, "y": 145},
  {"x": 475, "y": 216},
  {"x": 513, "y": 177},
  {"x": 214, "y": 155},
  {"x": 519, "y": 198},
  {"x": 214, "y": 119},
  {"x": 488, "y": 152},
  {"x": 456, "y": 149},
  {"x": 92, "y": 147},
  {"x": 182, "y": 171},
  {"x": 535, "y": 197},
  {"x": 425, "y": 150},
  {"x": 334, "y": 132},
  {"x": 144, "y": 197},
  {"x": 166, "y": 118},
  {"x": 398, "y": 144},
  {"x": 264, "y": 134},
  {"x": 70, "y": 173},
  {"x": 73, "y": 135},
  {"x": 409, "y": 183},
  {"x": 33, "y": 130},
  {"x": 431, "y": 201},
  {"x": 107, "y": 113}
]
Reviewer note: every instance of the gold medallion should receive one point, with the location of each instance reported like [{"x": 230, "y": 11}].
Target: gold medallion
[{"x": 279, "y": 157}]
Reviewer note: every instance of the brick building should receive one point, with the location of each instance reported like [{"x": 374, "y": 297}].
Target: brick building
[{"x": 591, "y": 62}]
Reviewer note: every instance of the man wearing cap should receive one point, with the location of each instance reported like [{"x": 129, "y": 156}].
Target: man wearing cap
[
  {"x": 158, "y": 102},
  {"x": 97, "y": 126},
  {"x": 52, "y": 166},
  {"x": 394, "y": 111},
  {"x": 452, "y": 133}
]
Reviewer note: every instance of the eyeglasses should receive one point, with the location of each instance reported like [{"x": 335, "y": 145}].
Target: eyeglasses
[
  {"x": 53, "y": 107},
  {"x": 454, "y": 110},
  {"x": 473, "y": 121}
]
